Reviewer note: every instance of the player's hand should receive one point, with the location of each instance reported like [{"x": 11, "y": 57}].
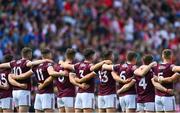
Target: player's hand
[
  {"x": 170, "y": 91},
  {"x": 107, "y": 61},
  {"x": 40, "y": 86},
  {"x": 84, "y": 86},
  {"x": 13, "y": 76},
  {"x": 127, "y": 80},
  {"x": 155, "y": 78},
  {"x": 153, "y": 64},
  {"x": 24, "y": 86}
]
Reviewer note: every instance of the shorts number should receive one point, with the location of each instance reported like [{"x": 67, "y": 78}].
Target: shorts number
[
  {"x": 17, "y": 70},
  {"x": 3, "y": 80},
  {"x": 40, "y": 74},
  {"x": 143, "y": 83},
  {"x": 103, "y": 76},
  {"x": 81, "y": 73},
  {"x": 122, "y": 75}
]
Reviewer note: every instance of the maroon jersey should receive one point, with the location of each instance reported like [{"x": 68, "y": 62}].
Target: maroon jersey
[
  {"x": 41, "y": 74},
  {"x": 19, "y": 67},
  {"x": 65, "y": 87},
  {"x": 164, "y": 70},
  {"x": 81, "y": 69},
  {"x": 4, "y": 81},
  {"x": 107, "y": 84},
  {"x": 144, "y": 88},
  {"x": 125, "y": 71}
]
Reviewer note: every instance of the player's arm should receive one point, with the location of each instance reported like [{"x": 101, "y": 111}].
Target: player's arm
[
  {"x": 15, "y": 83},
  {"x": 45, "y": 83},
  {"x": 158, "y": 86},
  {"x": 37, "y": 62},
  {"x": 86, "y": 77},
  {"x": 141, "y": 71},
  {"x": 66, "y": 65},
  {"x": 22, "y": 76},
  {"x": 118, "y": 78},
  {"x": 99, "y": 65},
  {"x": 126, "y": 86},
  {"x": 107, "y": 67},
  {"x": 5, "y": 65},
  {"x": 54, "y": 73},
  {"x": 72, "y": 77},
  {"x": 171, "y": 79},
  {"x": 176, "y": 68}
]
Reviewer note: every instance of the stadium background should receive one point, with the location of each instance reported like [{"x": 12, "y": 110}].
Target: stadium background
[{"x": 146, "y": 26}]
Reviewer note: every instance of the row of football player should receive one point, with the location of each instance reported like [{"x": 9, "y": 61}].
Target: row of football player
[{"x": 136, "y": 85}]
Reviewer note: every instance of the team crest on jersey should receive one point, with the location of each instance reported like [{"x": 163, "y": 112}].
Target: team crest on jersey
[{"x": 82, "y": 65}]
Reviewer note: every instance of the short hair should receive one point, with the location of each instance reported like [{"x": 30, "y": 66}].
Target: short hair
[
  {"x": 88, "y": 53},
  {"x": 8, "y": 58},
  {"x": 26, "y": 51},
  {"x": 70, "y": 53},
  {"x": 147, "y": 59},
  {"x": 167, "y": 53},
  {"x": 45, "y": 52},
  {"x": 106, "y": 54},
  {"x": 131, "y": 55}
]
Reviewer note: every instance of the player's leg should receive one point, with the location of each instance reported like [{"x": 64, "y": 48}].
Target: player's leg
[
  {"x": 130, "y": 103},
  {"x": 158, "y": 104},
  {"x": 101, "y": 104},
  {"x": 15, "y": 94},
  {"x": 88, "y": 102},
  {"x": 48, "y": 102},
  {"x": 24, "y": 99},
  {"x": 169, "y": 104},
  {"x": 110, "y": 103},
  {"x": 69, "y": 104},
  {"x": 78, "y": 103},
  {"x": 150, "y": 107}
]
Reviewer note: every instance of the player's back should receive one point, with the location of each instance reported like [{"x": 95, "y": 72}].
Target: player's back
[
  {"x": 81, "y": 69},
  {"x": 165, "y": 70},
  {"x": 144, "y": 88},
  {"x": 65, "y": 87},
  {"x": 19, "y": 67},
  {"x": 107, "y": 84},
  {"x": 41, "y": 74},
  {"x": 126, "y": 71},
  {"x": 4, "y": 81}
]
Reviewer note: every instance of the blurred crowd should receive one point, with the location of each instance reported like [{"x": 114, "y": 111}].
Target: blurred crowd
[{"x": 146, "y": 26}]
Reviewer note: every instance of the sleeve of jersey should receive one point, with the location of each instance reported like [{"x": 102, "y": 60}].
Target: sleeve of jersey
[
  {"x": 12, "y": 64},
  {"x": 116, "y": 67}
]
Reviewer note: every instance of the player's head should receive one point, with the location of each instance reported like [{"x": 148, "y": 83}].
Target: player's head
[
  {"x": 167, "y": 54},
  {"x": 46, "y": 54},
  {"x": 132, "y": 57},
  {"x": 88, "y": 54},
  {"x": 147, "y": 59},
  {"x": 70, "y": 54},
  {"x": 26, "y": 53},
  {"x": 7, "y": 58},
  {"x": 107, "y": 55}
]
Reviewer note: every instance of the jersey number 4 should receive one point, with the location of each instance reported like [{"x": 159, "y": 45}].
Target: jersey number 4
[{"x": 142, "y": 83}]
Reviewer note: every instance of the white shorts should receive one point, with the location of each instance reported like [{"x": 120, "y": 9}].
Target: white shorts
[
  {"x": 6, "y": 103},
  {"x": 65, "y": 102},
  {"x": 21, "y": 97},
  {"x": 163, "y": 103},
  {"x": 107, "y": 101},
  {"x": 148, "y": 106},
  {"x": 127, "y": 102},
  {"x": 85, "y": 100},
  {"x": 44, "y": 101}
]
